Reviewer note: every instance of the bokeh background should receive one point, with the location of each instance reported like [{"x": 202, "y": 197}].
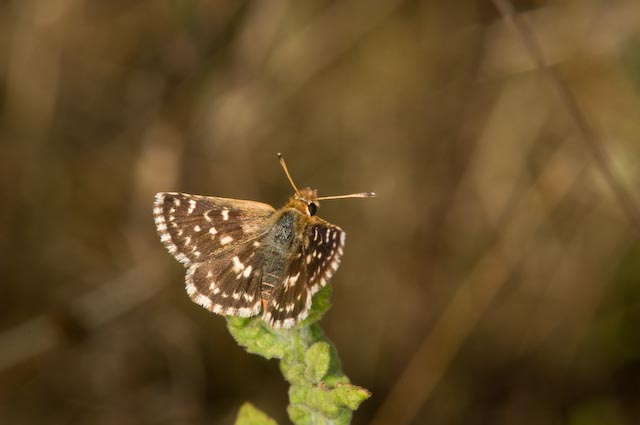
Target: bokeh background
[{"x": 495, "y": 279}]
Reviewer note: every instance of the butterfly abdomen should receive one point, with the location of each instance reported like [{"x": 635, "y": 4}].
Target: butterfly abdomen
[{"x": 277, "y": 246}]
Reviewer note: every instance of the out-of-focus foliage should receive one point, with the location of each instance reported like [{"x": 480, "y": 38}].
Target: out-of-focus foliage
[
  {"x": 493, "y": 280},
  {"x": 249, "y": 415}
]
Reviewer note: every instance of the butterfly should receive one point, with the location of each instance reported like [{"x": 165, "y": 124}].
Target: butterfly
[{"x": 245, "y": 258}]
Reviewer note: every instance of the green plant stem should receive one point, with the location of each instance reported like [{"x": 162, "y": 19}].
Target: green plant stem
[{"x": 319, "y": 393}]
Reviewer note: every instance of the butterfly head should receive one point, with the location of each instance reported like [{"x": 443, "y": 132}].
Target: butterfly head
[{"x": 306, "y": 200}]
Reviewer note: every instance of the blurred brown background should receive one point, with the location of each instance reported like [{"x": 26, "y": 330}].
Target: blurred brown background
[{"x": 493, "y": 281}]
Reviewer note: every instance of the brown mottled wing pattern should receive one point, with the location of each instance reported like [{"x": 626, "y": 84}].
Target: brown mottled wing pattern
[
  {"x": 229, "y": 286},
  {"x": 310, "y": 269},
  {"x": 196, "y": 228},
  {"x": 214, "y": 239}
]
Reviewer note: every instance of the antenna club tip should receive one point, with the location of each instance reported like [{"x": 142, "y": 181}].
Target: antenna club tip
[
  {"x": 370, "y": 194},
  {"x": 279, "y": 155}
]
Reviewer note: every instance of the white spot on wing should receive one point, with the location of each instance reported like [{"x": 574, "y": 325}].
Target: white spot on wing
[
  {"x": 225, "y": 215},
  {"x": 192, "y": 206},
  {"x": 225, "y": 240},
  {"x": 247, "y": 272},
  {"x": 237, "y": 265}
]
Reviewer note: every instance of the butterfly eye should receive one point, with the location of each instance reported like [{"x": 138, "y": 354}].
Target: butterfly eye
[{"x": 312, "y": 208}]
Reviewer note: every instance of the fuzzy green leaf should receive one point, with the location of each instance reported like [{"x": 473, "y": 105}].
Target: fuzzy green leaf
[
  {"x": 317, "y": 359},
  {"x": 316, "y": 399},
  {"x": 293, "y": 370},
  {"x": 350, "y": 396},
  {"x": 250, "y": 415},
  {"x": 305, "y": 416},
  {"x": 256, "y": 337}
]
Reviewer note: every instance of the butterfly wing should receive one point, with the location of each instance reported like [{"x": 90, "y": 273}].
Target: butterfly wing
[
  {"x": 229, "y": 285},
  {"x": 318, "y": 257},
  {"x": 196, "y": 228},
  {"x": 213, "y": 237}
]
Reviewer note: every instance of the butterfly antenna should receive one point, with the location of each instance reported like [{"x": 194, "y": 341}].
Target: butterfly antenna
[
  {"x": 286, "y": 171},
  {"x": 353, "y": 195}
]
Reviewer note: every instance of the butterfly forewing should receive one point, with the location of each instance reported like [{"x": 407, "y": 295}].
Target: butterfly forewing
[
  {"x": 309, "y": 269},
  {"x": 196, "y": 228}
]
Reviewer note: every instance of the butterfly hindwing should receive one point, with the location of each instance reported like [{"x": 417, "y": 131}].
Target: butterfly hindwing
[
  {"x": 318, "y": 257},
  {"x": 230, "y": 285},
  {"x": 325, "y": 249},
  {"x": 196, "y": 228}
]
